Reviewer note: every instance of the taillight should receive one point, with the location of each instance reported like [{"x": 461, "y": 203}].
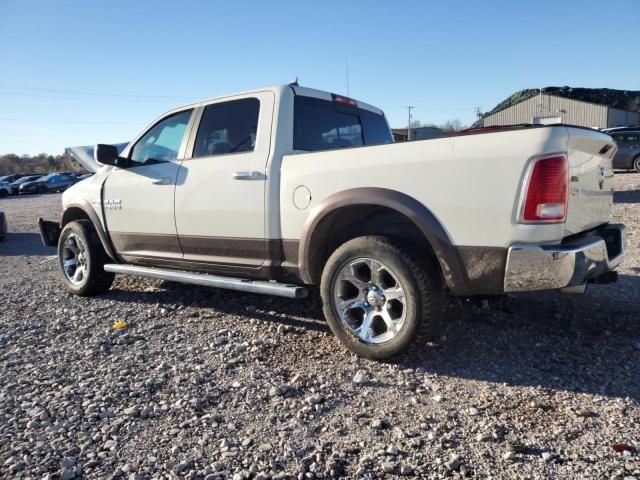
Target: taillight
[{"x": 547, "y": 187}]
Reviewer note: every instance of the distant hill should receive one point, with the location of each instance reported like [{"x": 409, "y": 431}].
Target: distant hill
[{"x": 622, "y": 99}]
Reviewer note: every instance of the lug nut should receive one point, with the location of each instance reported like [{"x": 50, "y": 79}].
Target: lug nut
[{"x": 383, "y": 299}]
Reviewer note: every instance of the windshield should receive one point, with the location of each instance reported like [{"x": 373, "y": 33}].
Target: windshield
[{"x": 26, "y": 179}]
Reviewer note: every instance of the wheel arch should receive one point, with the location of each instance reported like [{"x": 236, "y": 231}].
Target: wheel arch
[
  {"x": 84, "y": 211},
  {"x": 419, "y": 220}
]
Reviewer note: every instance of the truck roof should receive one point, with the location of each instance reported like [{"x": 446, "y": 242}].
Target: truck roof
[{"x": 280, "y": 89}]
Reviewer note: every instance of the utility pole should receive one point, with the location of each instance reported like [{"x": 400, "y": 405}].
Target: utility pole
[
  {"x": 478, "y": 111},
  {"x": 409, "y": 107}
]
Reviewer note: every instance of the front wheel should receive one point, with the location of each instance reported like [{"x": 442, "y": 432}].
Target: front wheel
[
  {"x": 82, "y": 258},
  {"x": 381, "y": 299},
  {"x": 636, "y": 164}
]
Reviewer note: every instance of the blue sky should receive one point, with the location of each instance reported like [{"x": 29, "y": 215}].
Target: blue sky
[{"x": 79, "y": 72}]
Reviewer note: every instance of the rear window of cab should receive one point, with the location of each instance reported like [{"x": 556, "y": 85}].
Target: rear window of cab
[{"x": 325, "y": 125}]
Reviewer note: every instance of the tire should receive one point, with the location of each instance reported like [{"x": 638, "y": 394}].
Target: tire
[
  {"x": 79, "y": 241},
  {"x": 636, "y": 164},
  {"x": 402, "y": 303},
  {"x": 3, "y": 193},
  {"x": 41, "y": 189}
]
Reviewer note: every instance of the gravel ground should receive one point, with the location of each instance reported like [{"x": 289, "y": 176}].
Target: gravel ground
[{"x": 216, "y": 384}]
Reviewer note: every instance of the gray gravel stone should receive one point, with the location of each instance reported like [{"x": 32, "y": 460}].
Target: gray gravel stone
[
  {"x": 196, "y": 383},
  {"x": 361, "y": 377},
  {"x": 388, "y": 467}
]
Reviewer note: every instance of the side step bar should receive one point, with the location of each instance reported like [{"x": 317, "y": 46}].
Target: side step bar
[{"x": 243, "y": 285}]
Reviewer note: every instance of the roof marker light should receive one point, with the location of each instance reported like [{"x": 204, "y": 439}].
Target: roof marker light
[{"x": 344, "y": 100}]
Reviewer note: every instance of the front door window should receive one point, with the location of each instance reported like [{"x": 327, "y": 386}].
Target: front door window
[{"x": 162, "y": 142}]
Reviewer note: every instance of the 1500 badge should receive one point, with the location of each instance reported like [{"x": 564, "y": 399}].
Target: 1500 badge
[{"x": 113, "y": 204}]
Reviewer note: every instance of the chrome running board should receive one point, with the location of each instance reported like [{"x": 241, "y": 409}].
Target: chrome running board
[{"x": 243, "y": 285}]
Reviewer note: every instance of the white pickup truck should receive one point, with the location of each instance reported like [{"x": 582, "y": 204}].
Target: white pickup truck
[{"x": 273, "y": 190}]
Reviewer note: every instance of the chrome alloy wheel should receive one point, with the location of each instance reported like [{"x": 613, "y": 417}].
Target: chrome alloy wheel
[
  {"x": 369, "y": 300},
  {"x": 74, "y": 259}
]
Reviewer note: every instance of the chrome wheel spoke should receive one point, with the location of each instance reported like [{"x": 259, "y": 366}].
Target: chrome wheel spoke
[
  {"x": 71, "y": 262},
  {"x": 349, "y": 275},
  {"x": 344, "y": 305},
  {"x": 395, "y": 293},
  {"x": 377, "y": 272},
  {"x": 364, "y": 330},
  {"x": 389, "y": 322}
]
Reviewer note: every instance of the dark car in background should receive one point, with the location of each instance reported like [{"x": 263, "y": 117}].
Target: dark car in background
[
  {"x": 628, "y": 155},
  {"x": 54, "y": 182},
  {"x": 12, "y": 178},
  {"x": 16, "y": 185}
]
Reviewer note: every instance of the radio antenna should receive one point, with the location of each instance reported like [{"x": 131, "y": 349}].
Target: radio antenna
[{"x": 346, "y": 66}]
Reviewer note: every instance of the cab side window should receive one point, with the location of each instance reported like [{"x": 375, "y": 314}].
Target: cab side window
[
  {"x": 228, "y": 127},
  {"x": 162, "y": 142}
]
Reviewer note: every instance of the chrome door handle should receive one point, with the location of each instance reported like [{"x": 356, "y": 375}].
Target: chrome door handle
[
  {"x": 246, "y": 175},
  {"x": 161, "y": 181}
]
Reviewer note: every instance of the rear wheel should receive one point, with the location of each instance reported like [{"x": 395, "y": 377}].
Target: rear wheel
[
  {"x": 636, "y": 164},
  {"x": 380, "y": 299},
  {"x": 82, "y": 258}
]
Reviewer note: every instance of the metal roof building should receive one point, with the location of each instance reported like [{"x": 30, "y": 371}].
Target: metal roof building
[{"x": 546, "y": 109}]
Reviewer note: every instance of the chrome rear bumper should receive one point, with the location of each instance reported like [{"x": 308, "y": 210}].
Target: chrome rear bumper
[{"x": 571, "y": 264}]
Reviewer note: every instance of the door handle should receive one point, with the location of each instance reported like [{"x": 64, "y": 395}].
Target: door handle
[
  {"x": 246, "y": 175},
  {"x": 161, "y": 181}
]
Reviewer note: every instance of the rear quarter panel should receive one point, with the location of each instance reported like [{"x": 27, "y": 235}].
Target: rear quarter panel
[{"x": 470, "y": 183}]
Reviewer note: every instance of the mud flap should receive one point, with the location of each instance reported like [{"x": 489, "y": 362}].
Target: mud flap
[
  {"x": 49, "y": 232},
  {"x": 3, "y": 226}
]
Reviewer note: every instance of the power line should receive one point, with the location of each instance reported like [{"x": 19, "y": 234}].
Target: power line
[
  {"x": 98, "y": 122},
  {"x": 21, "y": 90}
]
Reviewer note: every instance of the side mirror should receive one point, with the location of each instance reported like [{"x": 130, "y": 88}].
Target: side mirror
[{"x": 107, "y": 155}]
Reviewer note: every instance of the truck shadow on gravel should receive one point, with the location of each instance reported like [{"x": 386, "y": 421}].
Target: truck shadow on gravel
[
  {"x": 306, "y": 314},
  {"x": 555, "y": 341},
  {"x": 626, "y": 196},
  {"x": 559, "y": 342},
  {"x": 30, "y": 244}
]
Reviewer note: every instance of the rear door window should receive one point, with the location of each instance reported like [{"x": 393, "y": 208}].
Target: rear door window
[
  {"x": 228, "y": 127},
  {"x": 325, "y": 125}
]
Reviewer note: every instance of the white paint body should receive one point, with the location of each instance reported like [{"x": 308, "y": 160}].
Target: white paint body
[{"x": 471, "y": 183}]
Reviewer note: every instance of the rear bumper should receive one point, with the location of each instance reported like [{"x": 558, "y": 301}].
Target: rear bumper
[{"x": 571, "y": 264}]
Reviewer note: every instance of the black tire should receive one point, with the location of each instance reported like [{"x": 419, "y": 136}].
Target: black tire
[
  {"x": 420, "y": 280},
  {"x": 3, "y": 193},
  {"x": 41, "y": 189},
  {"x": 636, "y": 164},
  {"x": 94, "y": 279}
]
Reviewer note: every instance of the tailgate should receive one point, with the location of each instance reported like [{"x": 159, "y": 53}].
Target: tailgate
[{"x": 590, "y": 179}]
